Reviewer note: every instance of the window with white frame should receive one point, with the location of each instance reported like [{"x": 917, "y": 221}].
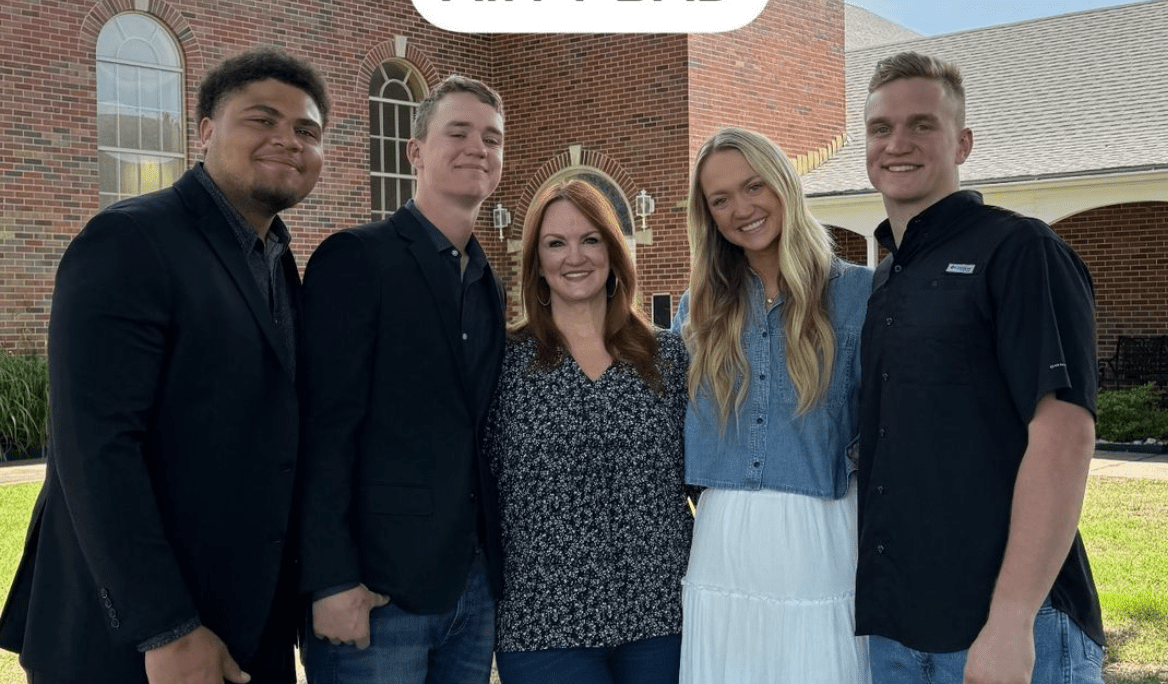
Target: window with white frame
[
  {"x": 141, "y": 143},
  {"x": 395, "y": 89}
]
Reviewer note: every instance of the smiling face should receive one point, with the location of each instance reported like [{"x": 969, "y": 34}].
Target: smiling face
[
  {"x": 747, "y": 212},
  {"x": 915, "y": 142},
  {"x": 263, "y": 147},
  {"x": 461, "y": 157},
  {"x": 573, "y": 257}
]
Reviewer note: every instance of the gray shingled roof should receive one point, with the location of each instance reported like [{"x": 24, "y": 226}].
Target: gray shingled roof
[
  {"x": 1078, "y": 94},
  {"x": 864, "y": 29}
]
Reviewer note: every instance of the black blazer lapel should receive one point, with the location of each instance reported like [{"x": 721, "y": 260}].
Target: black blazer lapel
[
  {"x": 211, "y": 223},
  {"x": 421, "y": 247}
]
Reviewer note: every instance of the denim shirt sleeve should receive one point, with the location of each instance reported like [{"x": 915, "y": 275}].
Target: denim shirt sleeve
[{"x": 682, "y": 314}]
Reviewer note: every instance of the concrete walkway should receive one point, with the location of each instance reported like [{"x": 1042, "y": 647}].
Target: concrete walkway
[
  {"x": 1121, "y": 464},
  {"x": 1105, "y": 464}
]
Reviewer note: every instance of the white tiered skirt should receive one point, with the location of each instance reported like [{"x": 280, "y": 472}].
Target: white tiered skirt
[{"x": 768, "y": 597}]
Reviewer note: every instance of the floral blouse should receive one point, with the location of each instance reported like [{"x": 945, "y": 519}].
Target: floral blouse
[{"x": 596, "y": 531}]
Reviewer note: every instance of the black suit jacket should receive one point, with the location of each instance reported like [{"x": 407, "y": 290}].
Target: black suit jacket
[
  {"x": 392, "y": 462},
  {"x": 173, "y": 445}
]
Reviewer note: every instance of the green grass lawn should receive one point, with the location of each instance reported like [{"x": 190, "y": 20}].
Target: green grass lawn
[
  {"x": 1124, "y": 526},
  {"x": 15, "y": 507}
]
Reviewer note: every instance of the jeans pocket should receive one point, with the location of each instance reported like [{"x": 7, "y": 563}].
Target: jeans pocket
[{"x": 1092, "y": 651}]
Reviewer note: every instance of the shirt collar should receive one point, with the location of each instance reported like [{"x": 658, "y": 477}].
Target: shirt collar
[
  {"x": 244, "y": 233},
  {"x": 474, "y": 250},
  {"x": 937, "y": 221}
]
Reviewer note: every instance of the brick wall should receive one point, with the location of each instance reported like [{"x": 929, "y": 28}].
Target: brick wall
[
  {"x": 640, "y": 105},
  {"x": 48, "y": 137},
  {"x": 850, "y": 246},
  {"x": 1126, "y": 248},
  {"x": 781, "y": 76},
  {"x": 637, "y": 105},
  {"x": 621, "y": 99}
]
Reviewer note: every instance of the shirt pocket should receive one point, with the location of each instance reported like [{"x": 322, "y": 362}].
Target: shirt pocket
[
  {"x": 843, "y": 380},
  {"x": 940, "y": 325}
]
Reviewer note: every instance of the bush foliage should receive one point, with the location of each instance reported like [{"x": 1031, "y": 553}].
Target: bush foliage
[
  {"x": 1131, "y": 414},
  {"x": 24, "y": 404}
]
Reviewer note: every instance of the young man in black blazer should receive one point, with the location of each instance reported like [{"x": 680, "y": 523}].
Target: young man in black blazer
[
  {"x": 403, "y": 345},
  {"x": 157, "y": 547}
]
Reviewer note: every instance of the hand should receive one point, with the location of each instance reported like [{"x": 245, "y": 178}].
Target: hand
[
  {"x": 344, "y": 618},
  {"x": 197, "y": 658},
  {"x": 1001, "y": 657}
]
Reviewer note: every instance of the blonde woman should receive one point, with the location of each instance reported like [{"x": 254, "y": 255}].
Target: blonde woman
[{"x": 772, "y": 321}]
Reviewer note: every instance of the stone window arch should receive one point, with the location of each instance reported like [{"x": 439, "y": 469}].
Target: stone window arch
[
  {"x": 395, "y": 89},
  {"x": 609, "y": 187},
  {"x": 141, "y": 142}
]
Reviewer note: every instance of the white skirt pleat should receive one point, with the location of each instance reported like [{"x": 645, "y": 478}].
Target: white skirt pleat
[{"x": 768, "y": 597}]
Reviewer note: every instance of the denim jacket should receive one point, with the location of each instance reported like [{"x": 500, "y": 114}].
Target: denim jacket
[{"x": 767, "y": 446}]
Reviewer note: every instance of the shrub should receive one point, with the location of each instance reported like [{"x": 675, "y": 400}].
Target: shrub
[
  {"x": 24, "y": 404},
  {"x": 1131, "y": 414}
]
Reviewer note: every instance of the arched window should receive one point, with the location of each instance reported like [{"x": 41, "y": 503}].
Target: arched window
[
  {"x": 611, "y": 190},
  {"x": 141, "y": 145},
  {"x": 394, "y": 92}
]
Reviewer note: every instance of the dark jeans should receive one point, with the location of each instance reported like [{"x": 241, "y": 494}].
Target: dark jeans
[
  {"x": 648, "y": 661},
  {"x": 404, "y": 648}
]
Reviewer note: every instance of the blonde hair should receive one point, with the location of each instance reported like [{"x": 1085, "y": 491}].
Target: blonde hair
[
  {"x": 719, "y": 285},
  {"x": 916, "y": 65}
]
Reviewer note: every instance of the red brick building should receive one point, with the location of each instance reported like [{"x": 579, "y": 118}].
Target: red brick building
[{"x": 84, "y": 118}]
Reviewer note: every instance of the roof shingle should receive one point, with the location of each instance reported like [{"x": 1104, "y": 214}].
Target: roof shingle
[{"x": 1078, "y": 94}]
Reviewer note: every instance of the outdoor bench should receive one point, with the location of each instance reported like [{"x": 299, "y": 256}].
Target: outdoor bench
[{"x": 1138, "y": 359}]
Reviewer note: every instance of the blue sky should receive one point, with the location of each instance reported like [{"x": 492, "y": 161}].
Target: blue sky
[{"x": 934, "y": 17}]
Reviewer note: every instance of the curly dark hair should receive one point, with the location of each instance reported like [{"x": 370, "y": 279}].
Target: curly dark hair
[{"x": 259, "y": 64}]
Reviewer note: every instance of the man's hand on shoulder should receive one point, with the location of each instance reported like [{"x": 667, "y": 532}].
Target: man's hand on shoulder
[
  {"x": 344, "y": 618},
  {"x": 197, "y": 658}
]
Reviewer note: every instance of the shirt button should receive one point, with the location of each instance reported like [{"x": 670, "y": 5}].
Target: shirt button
[
  {"x": 896, "y": 269},
  {"x": 879, "y": 548},
  {"x": 879, "y": 489},
  {"x": 882, "y": 432},
  {"x": 757, "y": 464},
  {"x": 762, "y": 377},
  {"x": 764, "y": 333},
  {"x": 888, "y": 321},
  {"x": 464, "y": 336},
  {"x": 759, "y": 421},
  {"x": 884, "y": 377},
  {"x": 454, "y": 252}
]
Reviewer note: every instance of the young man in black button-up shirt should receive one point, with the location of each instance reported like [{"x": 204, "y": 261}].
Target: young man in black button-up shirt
[{"x": 977, "y": 415}]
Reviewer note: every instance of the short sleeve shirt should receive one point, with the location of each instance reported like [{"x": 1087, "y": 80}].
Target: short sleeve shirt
[{"x": 976, "y": 316}]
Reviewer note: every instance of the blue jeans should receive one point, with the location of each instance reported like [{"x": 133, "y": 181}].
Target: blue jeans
[
  {"x": 647, "y": 661},
  {"x": 404, "y": 648},
  {"x": 1063, "y": 654}
]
